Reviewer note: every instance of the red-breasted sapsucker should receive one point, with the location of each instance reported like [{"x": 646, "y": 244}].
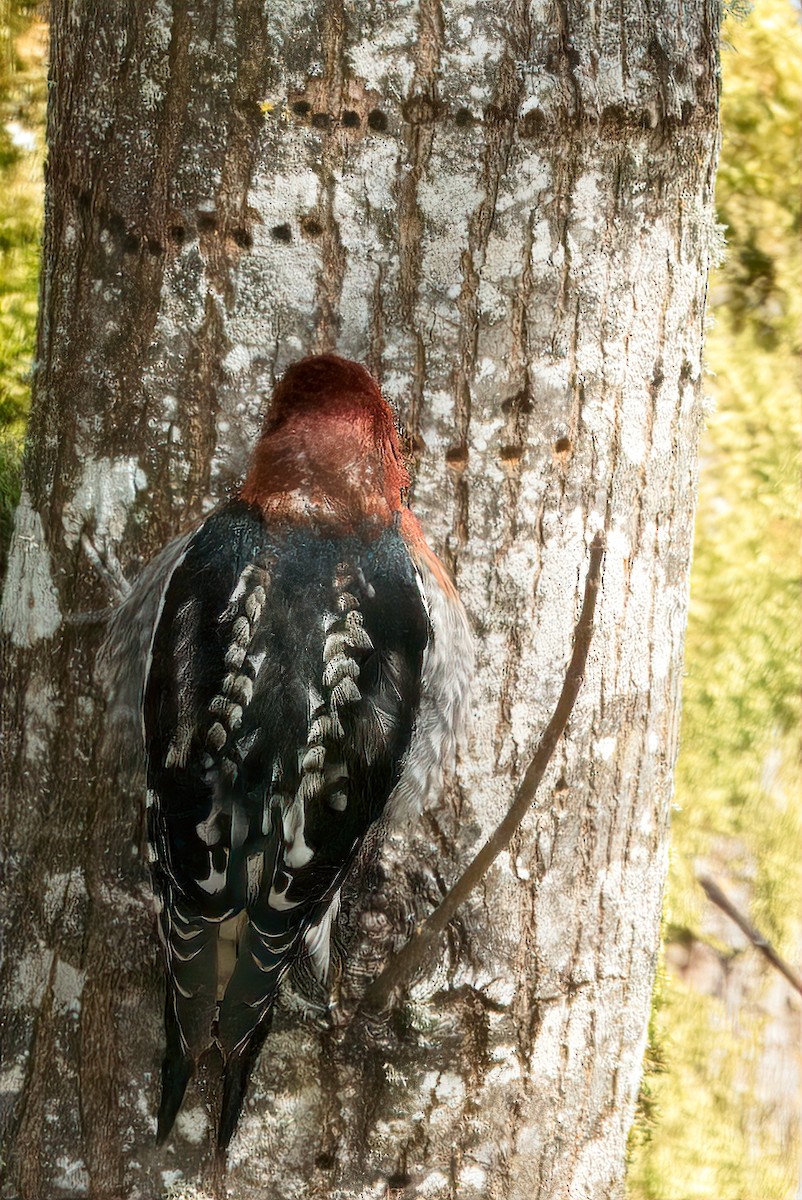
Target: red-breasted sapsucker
[{"x": 304, "y": 670}]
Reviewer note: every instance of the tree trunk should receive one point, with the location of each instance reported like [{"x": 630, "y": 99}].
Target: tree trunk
[{"x": 504, "y": 211}]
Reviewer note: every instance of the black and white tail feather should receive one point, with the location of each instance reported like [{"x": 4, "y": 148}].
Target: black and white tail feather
[{"x": 293, "y": 688}]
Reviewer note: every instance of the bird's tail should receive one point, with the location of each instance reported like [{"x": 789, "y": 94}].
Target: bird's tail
[
  {"x": 246, "y": 1009},
  {"x": 178, "y": 1067},
  {"x": 191, "y": 958},
  {"x": 236, "y": 1076}
]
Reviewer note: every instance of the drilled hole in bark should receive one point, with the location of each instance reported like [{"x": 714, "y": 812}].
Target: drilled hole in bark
[
  {"x": 281, "y": 233},
  {"x": 531, "y": 123},
  {"x": 207, "y": 222},
  {"x": 519, "y": 403},
  {"x": 243, "y": 238},
  {"x": 131, "y": 243},
  {"x": 464, "y": 118},
  {"x": 615, "y": 114},
  {"x": 177, "y": 234},
  {"x": 399, "y": 1180},
  {"x": 301, "y": 108},
  {"x": 413, "y": 445},
  {"x": 511, "y": 455},
  {"x": 377, "y": 120},
  {"x": 311, "y": 227},
  {"x": 155, "y": 247},
  {"x": 116, "y": 226},
  {"x": 562, "y": 445},
  {"x": 351, "y": 119},
  {"x": 457, "y": 457},
  {"x": 321, "y": 121},
  {"x": 324, "y": 1161}
]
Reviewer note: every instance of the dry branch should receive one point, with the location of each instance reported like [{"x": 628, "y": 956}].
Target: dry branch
[
  {"x": 761, "y": 943},
  {"x": 403, "y": 965}
]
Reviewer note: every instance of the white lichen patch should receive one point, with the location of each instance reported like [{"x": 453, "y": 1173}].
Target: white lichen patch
[
  {"x": 30, "y": 978},
  {"x": 385, "y": 65},
  {"x": 529, "y": 1141},
  {"x": 503, "y": 1073},
  {"x": 12, "y": 1079},
  {"x": 170, "y": 1181},
  {"x": 159, "y": 24},
  {"x": 192, "y": 1125},
  {"x": 72, "y": 1176},
  {"x": 364, "y": 253},
  {"x": 237, "y": 360},
  {"x": 480, "y": 51},
  {"x": 445, "y": 200},
  {"x": 282, "y": 199},
  {"x": 450, "y": 1088},
  {"x": 587, "y": 207},
  {"x": 68, "y": 984},
  {"x": 41, "y": 718},
  {"x": 152, "y": 94},
  {"x": 61, "y": 892},
  {"x": 185, "y": 1191},
  {"x": 375, "y": 187},
  {"x": 522, "y": 871},
  {"x": 30, "y": 607},
  {"x": 103, "y": 500},
  {"x": 542, "y": 247},
  {"x": 502, "y": 991},
  {"x": 472, "y": 1177},
  {"x": 434, "y": 1184},
  {"x": 604, "y": 748},
  {"x": 277, "y": 281}
]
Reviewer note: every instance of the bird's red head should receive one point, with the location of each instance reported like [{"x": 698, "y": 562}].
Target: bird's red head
[{"x": 329, "y": 448}]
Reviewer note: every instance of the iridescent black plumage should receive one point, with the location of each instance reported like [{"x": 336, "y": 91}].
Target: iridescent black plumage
[{"x": 279, "y": 707}]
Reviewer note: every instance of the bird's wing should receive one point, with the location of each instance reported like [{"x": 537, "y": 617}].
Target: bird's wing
[{"x": 279, "y": 707}]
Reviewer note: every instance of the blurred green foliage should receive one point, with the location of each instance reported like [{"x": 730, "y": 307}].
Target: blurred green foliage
[
  {"x": 717, "y": 1129},
  {"x": 23, "y": 94}
]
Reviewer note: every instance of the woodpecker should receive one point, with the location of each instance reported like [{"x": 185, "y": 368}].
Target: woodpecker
[{"x": 305, "y": 663}]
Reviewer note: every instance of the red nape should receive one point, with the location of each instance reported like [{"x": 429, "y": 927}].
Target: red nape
[
  {"x": 321, "y": 377},
  {"x": 328, "y": 448}
]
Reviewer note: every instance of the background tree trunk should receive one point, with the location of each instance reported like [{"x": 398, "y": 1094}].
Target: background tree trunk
[{"x": 504, "y": 210}]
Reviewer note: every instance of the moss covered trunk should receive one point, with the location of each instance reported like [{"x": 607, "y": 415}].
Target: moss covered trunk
[{"x": 504, "y": 210}]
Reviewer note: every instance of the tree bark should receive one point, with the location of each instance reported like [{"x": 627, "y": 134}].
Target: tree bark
[{"x": 504, "y": 210}]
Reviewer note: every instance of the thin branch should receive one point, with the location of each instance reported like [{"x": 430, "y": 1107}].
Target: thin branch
[
  {"x": 403, "y": 965},
  {"x": 107, "y": 567},
  {"x": 761, "y": 943}
]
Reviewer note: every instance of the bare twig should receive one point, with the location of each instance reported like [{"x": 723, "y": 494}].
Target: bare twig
[
  {"x": 761, "y": 943},
  {"x": 107, "y": 567},
  {"x": 411, "y": 956}
]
